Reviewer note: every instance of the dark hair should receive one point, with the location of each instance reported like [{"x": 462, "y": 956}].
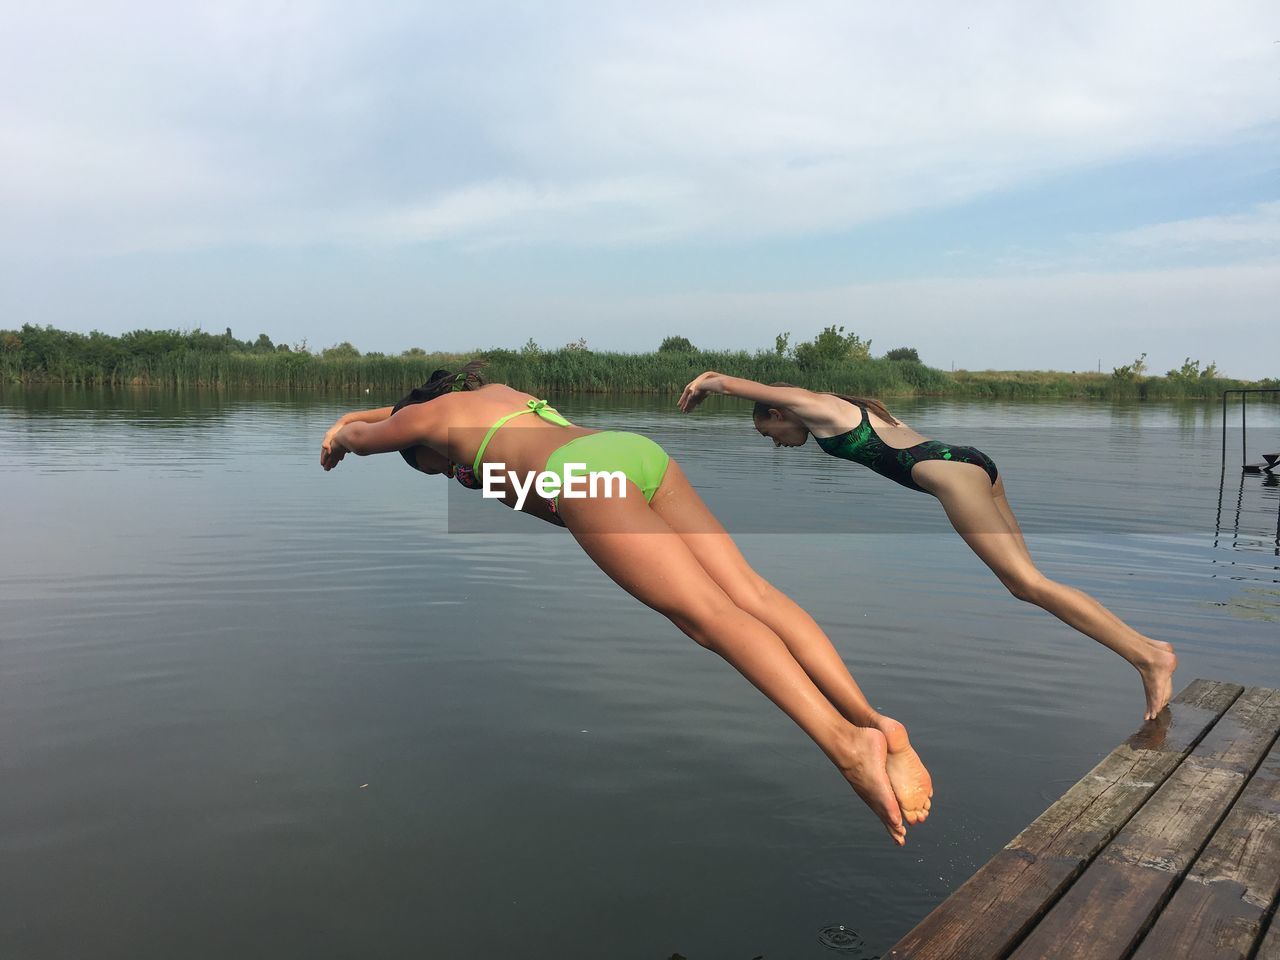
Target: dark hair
[
  {"x": 761, "y": 410},
  {"x": 438, "y": 384}
]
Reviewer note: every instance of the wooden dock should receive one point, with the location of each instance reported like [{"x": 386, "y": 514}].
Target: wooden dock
[{"x": 1168, "y": 848}]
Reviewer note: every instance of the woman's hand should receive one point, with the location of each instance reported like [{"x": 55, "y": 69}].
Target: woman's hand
[
  {"x": 331, "y": 452},
  {"x": 366, "y": 432},
  {"x": 698, "y": 389},
  {"x": 331, "y": 455}
]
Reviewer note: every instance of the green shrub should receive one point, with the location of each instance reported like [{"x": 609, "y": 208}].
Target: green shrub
[
  {"x": 832, "y": 345},
  {"x": 676, "y": 345},
  {"x": 1130, "y": 371}
]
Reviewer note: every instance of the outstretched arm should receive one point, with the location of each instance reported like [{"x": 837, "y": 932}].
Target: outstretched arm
[
  {"x": 813, "y": 408},
  {"x": 366, "y": 416},
  {"x": 364, "y": 432},
  {"x": 328, "y": 459}
]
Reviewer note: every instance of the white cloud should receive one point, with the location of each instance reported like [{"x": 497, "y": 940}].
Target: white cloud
[
  {"x": 499, "y": 211},
  {"x": 1256, "y": 229},
  {"x": 147, "y": 128},
  {"x": 154, "y": 126}
]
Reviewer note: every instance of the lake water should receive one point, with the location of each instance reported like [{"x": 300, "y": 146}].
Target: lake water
[{"x": 251, "y": 709}]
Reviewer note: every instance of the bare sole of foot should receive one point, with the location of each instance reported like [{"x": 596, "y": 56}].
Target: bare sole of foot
[
  {"x": 911, "y": 782},
  {"x": 1157, "y": 677},
  {"x": 864, "y": 766}
]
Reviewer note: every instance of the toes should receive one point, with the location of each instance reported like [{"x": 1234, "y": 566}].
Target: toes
[{"x": 915, "y": 815}]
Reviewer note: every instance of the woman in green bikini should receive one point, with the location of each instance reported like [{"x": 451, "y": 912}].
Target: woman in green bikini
[
  {"x": 658, "y": 542},
  {"x": 964, "y": 480}
]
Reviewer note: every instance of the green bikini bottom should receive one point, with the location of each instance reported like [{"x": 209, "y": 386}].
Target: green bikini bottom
[{"x": 642, "y": 461}]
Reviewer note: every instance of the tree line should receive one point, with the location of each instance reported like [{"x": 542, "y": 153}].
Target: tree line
[{"x": 833, "y": 359}]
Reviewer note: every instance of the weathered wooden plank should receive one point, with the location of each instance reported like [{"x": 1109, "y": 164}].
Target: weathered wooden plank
[
  {"x": 991, "y": 910},
  {"x": 1218, "y": 911},
  {"x": 1270, "y": 949},
  {"x": 995, "y": 907},
  {"x": 1115, "y": 900}
]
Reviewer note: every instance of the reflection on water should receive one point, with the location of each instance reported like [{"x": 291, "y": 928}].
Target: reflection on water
[
  {"x": 250, "y": 708},
  {"x": 1248, "y": 527}
]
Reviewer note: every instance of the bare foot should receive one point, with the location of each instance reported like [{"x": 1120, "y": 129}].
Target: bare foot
[
  {"x": 911, "y": 782},
  {"x": 862, "y": 762},
  {"x": 1157, "y": 676}
]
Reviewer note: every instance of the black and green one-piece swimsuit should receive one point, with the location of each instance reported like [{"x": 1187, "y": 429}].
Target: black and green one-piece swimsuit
[{"x": 863, "y": 445}]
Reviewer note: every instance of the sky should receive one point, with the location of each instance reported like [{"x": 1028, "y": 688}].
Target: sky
[{"x": 1001, "y": 185}]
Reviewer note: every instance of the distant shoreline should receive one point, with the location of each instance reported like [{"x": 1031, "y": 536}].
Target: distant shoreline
[{"x": 35, "y": 355}]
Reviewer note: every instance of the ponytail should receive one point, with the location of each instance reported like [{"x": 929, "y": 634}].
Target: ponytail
[
  {"x": 438, "y": 384},
  {"x": 444, "y": 381},
  {"x": 875, "y": 406}
]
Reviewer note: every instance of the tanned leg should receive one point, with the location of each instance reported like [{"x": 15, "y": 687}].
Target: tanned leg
[
  {"x": 683, "y": 510},
  {"x": 633, "y": 545},
  {"x": 980, "y": 517}
]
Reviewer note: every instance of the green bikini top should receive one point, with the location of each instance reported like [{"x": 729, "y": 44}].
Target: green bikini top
[{"x": 540, "y": 407}]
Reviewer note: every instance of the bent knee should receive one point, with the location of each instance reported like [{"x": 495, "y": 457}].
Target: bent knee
[
  {"x": 1027, "y": 587},
  {"x": 705, "y": 620},
  {"x": 753, "y": 593}
]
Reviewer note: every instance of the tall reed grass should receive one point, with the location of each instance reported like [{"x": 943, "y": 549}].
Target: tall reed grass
[{"x": 569, "y": 370}]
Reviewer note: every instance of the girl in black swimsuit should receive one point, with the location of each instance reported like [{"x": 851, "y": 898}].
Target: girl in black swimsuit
[{"x": 968, "y": 485}]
